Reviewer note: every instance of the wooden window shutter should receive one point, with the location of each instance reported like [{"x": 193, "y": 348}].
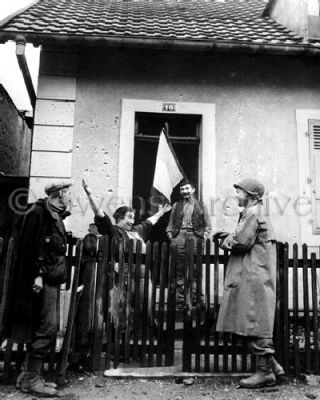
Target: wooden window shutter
[{"x": 314, "y": 135}]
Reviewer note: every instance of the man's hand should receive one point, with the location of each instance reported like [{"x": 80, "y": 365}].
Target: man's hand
[
  {"x": 37, "y": 284},
  {"x": 169, "y": 234},
  {"x": 219, "y": 235}
]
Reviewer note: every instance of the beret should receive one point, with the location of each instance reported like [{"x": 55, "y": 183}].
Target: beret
[{"x": 56, "y": 186}]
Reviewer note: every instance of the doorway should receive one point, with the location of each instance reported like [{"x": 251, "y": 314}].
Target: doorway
[{"x": 183, "y": 132}]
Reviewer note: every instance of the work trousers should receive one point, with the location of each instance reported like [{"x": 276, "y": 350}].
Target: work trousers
[
  {"x": 45, "y": 322},
  {"x": 180, "y": 241}
]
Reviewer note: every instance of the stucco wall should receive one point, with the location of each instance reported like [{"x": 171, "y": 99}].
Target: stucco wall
[
  {"x": 255, "y": 96},
  {"x": 15, "y": 138}
]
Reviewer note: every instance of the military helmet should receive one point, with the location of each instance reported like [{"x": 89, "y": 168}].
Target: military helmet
[{"x": 251, "y": 186}]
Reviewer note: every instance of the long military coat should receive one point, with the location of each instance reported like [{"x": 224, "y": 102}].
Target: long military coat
[
  {"x": 38, "y": 225},
  {"x": 248, "y": 303}
]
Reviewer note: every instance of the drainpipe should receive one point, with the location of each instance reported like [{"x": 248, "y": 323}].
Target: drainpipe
[{"x": 22, "y": 61}]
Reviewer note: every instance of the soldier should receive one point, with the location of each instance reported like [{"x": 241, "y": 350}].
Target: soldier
[
  {"x": 41, "y": 269},
  {"x": 248, "y": 303}
]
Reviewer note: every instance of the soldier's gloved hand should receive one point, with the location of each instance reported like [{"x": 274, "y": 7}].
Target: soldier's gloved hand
[
  {"x": 37, "y": 284},
  {"x": 169, "y": 234}
]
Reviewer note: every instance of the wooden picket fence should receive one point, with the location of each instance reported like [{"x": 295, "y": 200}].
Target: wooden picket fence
[{"x": 123, "y": 310}]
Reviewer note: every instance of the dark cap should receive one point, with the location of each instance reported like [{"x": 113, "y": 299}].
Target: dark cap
[{"x": 56, "y": 186}]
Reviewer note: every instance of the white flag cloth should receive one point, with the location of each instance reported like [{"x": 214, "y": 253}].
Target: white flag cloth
[{"x": 167, "y": 173}]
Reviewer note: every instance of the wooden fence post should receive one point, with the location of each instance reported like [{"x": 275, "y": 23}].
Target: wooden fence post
[
  {"x": 171, "y": 307},
  {"x": 295, "y": 294},
  {"x": 307, "y": 353},
  {"x": 315, "y": 315},
  {"x": 83, "y": 325},
  {"x": 99, "y": 303},
  {"x": 160, "y": 341},
  {"x": 146, "y": 322},
  {"x": 62, "y": 365},
  {"x": 187, "y": 312},
  {"x": 285, "y": 308},
  {"x": 109, "y": 326},
  {"x": 208, "y": 317},
  {"x": 155, "y": 274}
]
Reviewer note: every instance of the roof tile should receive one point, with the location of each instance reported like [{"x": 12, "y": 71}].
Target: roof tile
[{"x": 212, "y": 20}]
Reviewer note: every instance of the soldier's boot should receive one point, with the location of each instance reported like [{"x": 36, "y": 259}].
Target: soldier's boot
[
  {"x": 263, "y": 377},
  {"x": 32, "y": 382},
  {"x": 278, "y": 371}
]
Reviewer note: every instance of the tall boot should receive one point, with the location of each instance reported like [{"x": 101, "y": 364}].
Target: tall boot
[
  {"x": 32, "y": 381},
  {"x": 264, "y": 375}
]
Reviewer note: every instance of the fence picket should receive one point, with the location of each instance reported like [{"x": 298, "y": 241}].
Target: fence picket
[
  {"x": 145, "y": 307},
  {"x": 155, "y": 274},
  {"x": 99, "y": 303},
  {"x": 208, "y": 316},
  {"x": 306, "y": 309},
  {"x": 160, "y": 341},
  {"x": 187, "y": 317},
  {"x": 130, "y": 276},
  {"x": 285, "y": 308},
  {"x": 171, "y": 307},
  {"x": 225, "y": 336},
  {"x": 84, "y": 318},
  {"x": 121, "y": 303},
  {"x": 109, "y": 326},
  {"x": 137, "y": 301},
  {"x": 315, "y": 314},
  {"x": 216, "y": 336},
  {"x": 295, "y": 295},
  {"x": 62, "y": 365},
  {"x": 198, "y": 282}
]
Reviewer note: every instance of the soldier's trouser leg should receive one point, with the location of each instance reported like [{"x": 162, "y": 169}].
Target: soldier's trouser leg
[
  {"x": 267, "y": 366},
  {"x": 44, "y": 332}
]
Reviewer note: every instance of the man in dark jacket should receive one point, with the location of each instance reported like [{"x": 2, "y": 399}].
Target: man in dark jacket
[
  {"x": 189, "y": 219},
  {"x": 248, "y": 303},
  {"x": 41, "y": 269}
]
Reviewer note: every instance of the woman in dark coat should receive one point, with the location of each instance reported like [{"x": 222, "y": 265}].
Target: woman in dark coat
[{"x": 125, "y": 229}]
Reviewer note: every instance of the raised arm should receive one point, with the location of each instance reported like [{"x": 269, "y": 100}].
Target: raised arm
[
  {"x": 94, "y": 207},
  {"x": 101, "y": 219}
]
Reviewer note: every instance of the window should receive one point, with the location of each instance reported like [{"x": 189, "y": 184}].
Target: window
[{"x": 314, "y": 142}]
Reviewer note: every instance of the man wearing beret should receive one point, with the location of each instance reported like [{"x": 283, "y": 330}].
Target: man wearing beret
[
  {"x": 248, "y": 304},
  {"x": 41, "y": 269}
]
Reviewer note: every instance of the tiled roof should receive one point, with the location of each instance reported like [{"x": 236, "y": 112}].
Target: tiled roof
[{"x": 238, "y": 21}]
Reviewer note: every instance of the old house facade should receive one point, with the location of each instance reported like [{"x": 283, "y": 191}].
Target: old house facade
[{"x": 236, "y": 81}]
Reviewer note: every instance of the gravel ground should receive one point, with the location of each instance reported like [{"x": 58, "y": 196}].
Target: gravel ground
[{"x": 91, "y": 387}]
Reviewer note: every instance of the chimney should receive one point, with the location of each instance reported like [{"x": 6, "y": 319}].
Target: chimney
[{"x": 300, "y": 16}]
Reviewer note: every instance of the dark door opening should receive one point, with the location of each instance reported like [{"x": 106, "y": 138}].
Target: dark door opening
[{"x": 184, "y": 134}]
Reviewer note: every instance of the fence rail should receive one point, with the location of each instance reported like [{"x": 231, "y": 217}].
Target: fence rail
[{"x": 127, "y": 312}]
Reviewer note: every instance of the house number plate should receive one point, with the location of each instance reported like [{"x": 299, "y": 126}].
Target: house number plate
[{"x": 169, "y": 107}]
